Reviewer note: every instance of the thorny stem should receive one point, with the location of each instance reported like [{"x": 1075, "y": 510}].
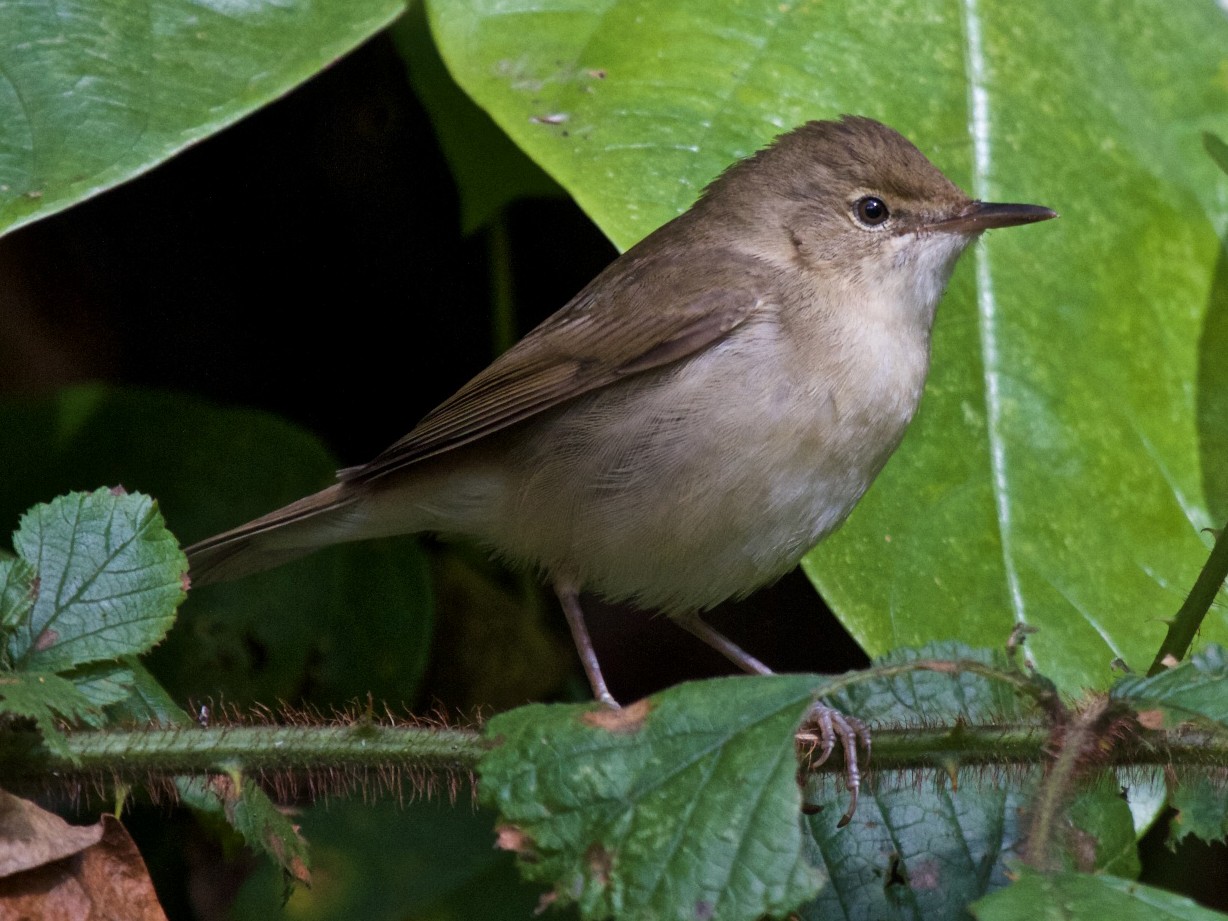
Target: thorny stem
[
  {"x": 144, "y": 756},
  {"x": 138, "y": 755},
  {"x": 1184, "y": 626}
]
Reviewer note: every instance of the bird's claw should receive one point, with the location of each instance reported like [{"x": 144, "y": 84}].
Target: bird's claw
[{"x": 822, "y": 727}]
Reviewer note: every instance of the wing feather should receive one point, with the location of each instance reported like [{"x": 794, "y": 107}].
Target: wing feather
[{"x": 639, "y": 314}]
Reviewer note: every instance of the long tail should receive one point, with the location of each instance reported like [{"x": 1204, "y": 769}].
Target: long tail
[{"x": 321, "y": 519}]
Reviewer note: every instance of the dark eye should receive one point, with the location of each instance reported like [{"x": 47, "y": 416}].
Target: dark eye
[{"x": 871, "y": 211}]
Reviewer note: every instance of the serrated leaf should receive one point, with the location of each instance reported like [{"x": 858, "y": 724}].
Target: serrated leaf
[
  {"x": 916, "y": 853},
  {"x": 95, "y": 92},
  {"x": 211, "y": 468},
  {"x": 1080, "y": 897},
  {"x": 1202, "y": 811},
  {"x": 683, "y": 805},
  {"x": 1194, "y": 690},
  {"x": 921, "y": 846},
  {"x": 1070, "y": 446},
  {"x": 255, "y": 817},
  {"x": 147, "y": 701},
  {"x": 103, "y": 684},
  {"x": 248, "y": 810},
  {"x": 110, "y": 578},
  {"x": 44, "y": 698},
  {"x": 946, "y": 696}
]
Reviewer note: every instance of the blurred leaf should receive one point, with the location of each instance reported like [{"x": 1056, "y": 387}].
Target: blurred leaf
[
  {"x": 146, "y": 701},
  {"x": 1202, "y": 811},
  {"x": 95, "y": 92},
  {"x": 1079, "y": 897},
  {"x": 1101, "y": 834},
  {"x": 489, "y": 169},
  {"x": 1217, "y": 149},
  {"x": 18, "y": 582},
  {"x": 683, "y": 805},
  {"x": 1195, "y": 690},
  {"x": 1067, "y": 452},
  {"x": 103, "y": 684},
  {"x": 45, "y": 698},
  {"x": 110, "y": 577},
  {"x": 263, "y": 826},
  {"x": 255, "y": 819},
  {"x": 334, "y": 626},
  {"x": 380, "y": 862}
]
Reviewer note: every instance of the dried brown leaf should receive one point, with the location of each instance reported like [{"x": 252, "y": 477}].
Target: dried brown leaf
[{"x": 103, "y": 882}]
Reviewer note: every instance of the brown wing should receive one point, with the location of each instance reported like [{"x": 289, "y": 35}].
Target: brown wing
[{"x": 640, "y": 313}]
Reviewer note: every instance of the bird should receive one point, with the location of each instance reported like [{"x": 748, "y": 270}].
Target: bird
[{"x": 699, "y": 416}]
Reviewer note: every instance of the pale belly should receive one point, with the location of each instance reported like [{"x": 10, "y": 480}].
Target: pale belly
[{"x": 678, "y": 493}]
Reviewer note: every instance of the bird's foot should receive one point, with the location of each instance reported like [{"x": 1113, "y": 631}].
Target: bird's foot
[{"x": 821, "y": 729}]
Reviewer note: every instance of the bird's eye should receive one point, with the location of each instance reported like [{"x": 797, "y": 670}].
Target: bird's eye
[{"x": 871, "y": 211}]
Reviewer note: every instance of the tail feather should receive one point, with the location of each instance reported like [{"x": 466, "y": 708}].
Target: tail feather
[{"x": 289, "y": 532}]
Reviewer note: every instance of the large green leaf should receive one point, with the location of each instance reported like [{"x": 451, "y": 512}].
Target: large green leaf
[
  {"x": 1064, "y": 459},
  {"x": 94, "y": 92}
]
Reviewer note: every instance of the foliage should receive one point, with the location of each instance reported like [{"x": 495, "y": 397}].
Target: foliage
[
  {"x": 96, "y": 580},
  {"x": 1065, "y": 465},
  {"x": 1069, "y": 447}
]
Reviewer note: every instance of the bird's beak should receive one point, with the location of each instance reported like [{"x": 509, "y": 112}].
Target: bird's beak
[{"x": 977, "y": 216}]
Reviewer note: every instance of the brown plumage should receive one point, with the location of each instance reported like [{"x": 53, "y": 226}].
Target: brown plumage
[{"x": 708, "y": 408}]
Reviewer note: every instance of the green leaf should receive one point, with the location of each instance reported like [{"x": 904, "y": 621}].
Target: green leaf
[
  {"x": 95, "y": 92},
  {"x": 104, "y": 684},
  {"x": 961, "y": 695},
  {"x": 45, "y": 698},
  {"x": 250, "y": 812},
  {"x": 337, "y": 625},
  {"x": 919, "y": 847},
  {"x": 1202, "y": 811},
  {"x": 381, "y": 862},
  {"x": 1217, "y": 149},
  {"x": 18, "y": 582},
  {"x": 915, "y": 853},
  {"x": 683, "y": 805},
  {"x": 490, "y": 171},
  {"x": 225, "y": 798},
  {"x": 1101, "y": 832},
  {"x": 1069, "y": 448},
  {"x": 1195, "y": 690},
  {"x": 110, "y": 577},
  {"x": 1078, "y": 897}
]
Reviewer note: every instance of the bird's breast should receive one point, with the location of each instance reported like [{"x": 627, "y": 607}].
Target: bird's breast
[{"x": 686, "y": 486}]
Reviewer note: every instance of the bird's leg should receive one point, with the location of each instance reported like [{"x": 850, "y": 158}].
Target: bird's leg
[
  {"x": 695, "y": 625},
  {"x": 821, "y": 728},
  {"x": 823, "y": 725},
  {"x": 569, "y": 598}
]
